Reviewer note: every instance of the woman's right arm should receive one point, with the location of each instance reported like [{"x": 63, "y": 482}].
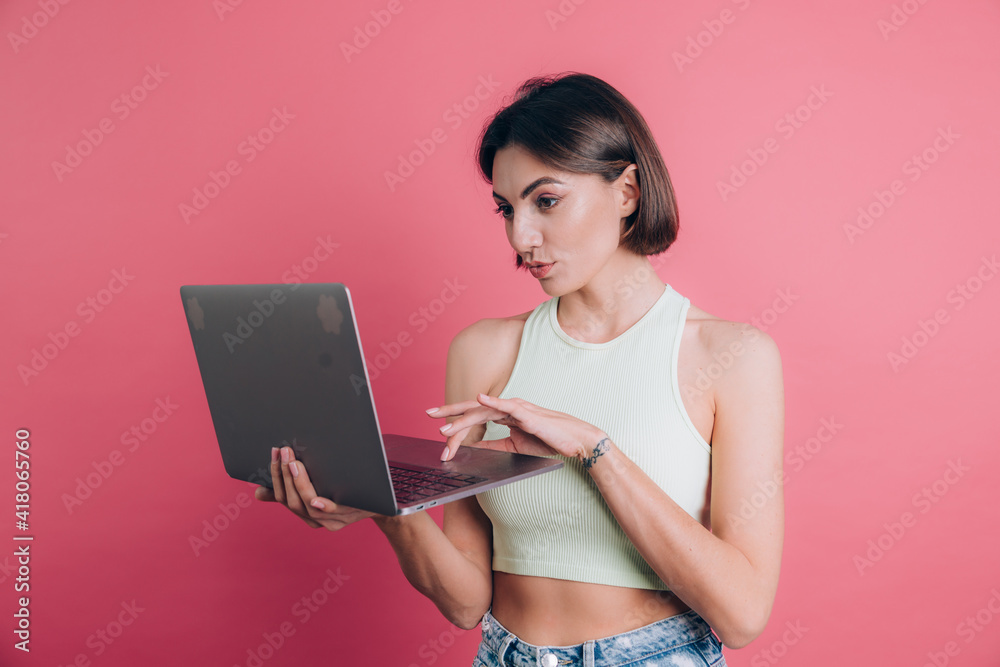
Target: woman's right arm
[{"x": 452, "y": 567}]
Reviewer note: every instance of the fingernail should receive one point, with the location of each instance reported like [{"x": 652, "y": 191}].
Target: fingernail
[
  {"x": 294, "y": 468},
  {"x": 284, "y": 454},
  {"x": 274, "y": 454},
  {"x": 431, "y": 411},
  {"x": 444, "y": 454},
  {"x": 446, "y": 428},
  {"x": 317, "y": 503}
]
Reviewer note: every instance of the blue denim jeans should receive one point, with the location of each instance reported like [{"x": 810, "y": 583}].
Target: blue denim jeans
[{"x": 684, "y": 640}]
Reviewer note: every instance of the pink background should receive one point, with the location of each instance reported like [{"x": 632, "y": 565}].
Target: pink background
[{"x": 783, "y": 230}]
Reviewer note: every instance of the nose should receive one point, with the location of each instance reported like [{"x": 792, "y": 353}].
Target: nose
[{"x": 524, "y": 233}]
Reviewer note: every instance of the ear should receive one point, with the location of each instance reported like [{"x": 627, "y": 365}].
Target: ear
[{"x": 627, "y": 191}]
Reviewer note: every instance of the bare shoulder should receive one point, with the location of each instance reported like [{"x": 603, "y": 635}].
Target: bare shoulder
[
  {"x": 749, "y": 355},
  {"x": 489, "y": 346},
  {"x": 739, "y": 346}
]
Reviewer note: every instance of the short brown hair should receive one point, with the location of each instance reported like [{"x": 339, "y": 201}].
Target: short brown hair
[{"x": 578, "y": 123}]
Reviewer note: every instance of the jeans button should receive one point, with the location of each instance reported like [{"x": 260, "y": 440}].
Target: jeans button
[{"x": 549, "y": 660}]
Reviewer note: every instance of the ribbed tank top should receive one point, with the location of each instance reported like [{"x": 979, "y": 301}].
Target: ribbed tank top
[{"x": 558, "y": 524}]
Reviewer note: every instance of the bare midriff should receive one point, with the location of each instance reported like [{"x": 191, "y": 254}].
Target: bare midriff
[{"x": 558, "y": 612}]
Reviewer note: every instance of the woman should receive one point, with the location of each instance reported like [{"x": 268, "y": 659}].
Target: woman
[{"x": 612, "y": 559}]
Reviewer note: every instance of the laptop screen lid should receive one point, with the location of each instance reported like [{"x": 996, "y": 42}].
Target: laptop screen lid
[{"x": 283, "y": 365}]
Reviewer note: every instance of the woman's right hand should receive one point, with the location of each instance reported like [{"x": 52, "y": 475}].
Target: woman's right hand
[{"x": 293, "y": 489}]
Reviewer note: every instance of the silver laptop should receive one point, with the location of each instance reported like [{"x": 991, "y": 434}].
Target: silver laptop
[{"x": 283, "y": 365}]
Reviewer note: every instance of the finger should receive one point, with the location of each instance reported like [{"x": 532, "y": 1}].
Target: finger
[
  {"x": 495, "y": 445},
  {"x": 304, "y": 487},
  {"x": 322, "y": 508},
  {"x": 453, "y": 442},
  {"x": 512, "y": 409},
  {"x": 322, "y": 505},
  {"x": 507, "y": 405},
  {"x": 478, "y": 415},
  {"x": 460, "y": 427},
  {"x": 292, "y": 498},
  {"x": 453, "y": 409},
  {"x": 306, "y": 492},
  {"x": 298, "y": 472},
  {"x": 457, "y": 437},
  {"x": 264, "y": 494},
  {"x": 276, "y": 480}
]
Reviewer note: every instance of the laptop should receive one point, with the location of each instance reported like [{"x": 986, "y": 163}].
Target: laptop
[{"x": 282, "y": 365}]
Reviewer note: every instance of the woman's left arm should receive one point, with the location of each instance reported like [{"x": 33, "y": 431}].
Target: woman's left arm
[{"x": 729, "y": 576}]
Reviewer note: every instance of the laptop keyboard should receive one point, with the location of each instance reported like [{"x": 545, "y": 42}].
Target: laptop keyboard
[{"x": 410, "y": 485}]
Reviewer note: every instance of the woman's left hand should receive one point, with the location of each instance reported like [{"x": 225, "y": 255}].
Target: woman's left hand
[{"x": 534, "y": 430}]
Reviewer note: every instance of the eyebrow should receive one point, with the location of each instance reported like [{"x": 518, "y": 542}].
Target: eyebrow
[{"x": 544, "y": 180}]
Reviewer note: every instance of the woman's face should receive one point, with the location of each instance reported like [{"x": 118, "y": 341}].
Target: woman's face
[{"x": 572, "y": 222}]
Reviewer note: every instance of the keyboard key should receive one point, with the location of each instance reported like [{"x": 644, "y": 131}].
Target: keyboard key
[{"x": 413, "y": 485}]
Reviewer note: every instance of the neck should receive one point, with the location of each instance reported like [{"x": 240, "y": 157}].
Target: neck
[{"x": 614, "y": 299}]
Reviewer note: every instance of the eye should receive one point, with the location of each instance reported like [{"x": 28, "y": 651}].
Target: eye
[
  {"x": 548, "y": 199},
  {"x": 543, "y": 203}
]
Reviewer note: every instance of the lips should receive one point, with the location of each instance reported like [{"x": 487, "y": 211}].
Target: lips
[{"x": 539, "y": 270}]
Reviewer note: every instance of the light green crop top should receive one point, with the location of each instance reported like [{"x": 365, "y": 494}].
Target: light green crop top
[{"x": 557, "y": 524}]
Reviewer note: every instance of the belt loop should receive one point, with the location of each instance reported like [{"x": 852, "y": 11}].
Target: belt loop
[
  {"x": 588, "y": 653},
  {"x": 504, "y": 645}
]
